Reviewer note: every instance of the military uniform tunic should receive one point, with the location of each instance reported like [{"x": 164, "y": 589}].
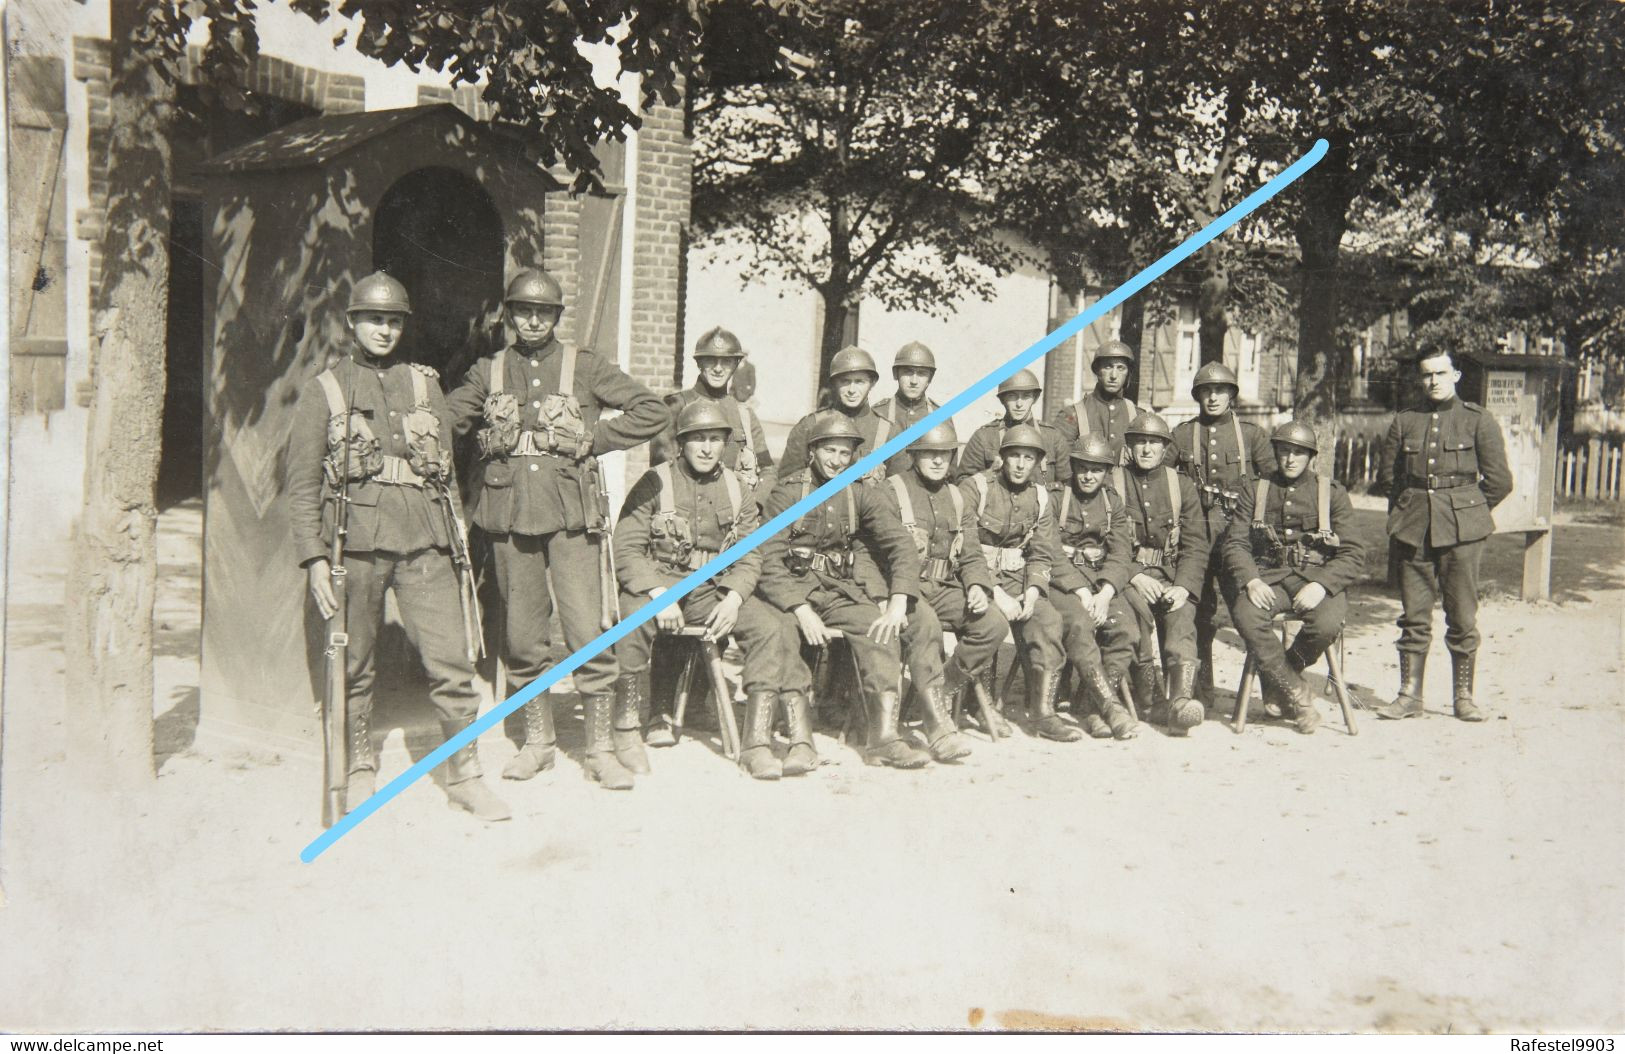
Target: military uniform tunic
[
  {"x": 535, "y": 507},
  {"x": 1444, "y": 468},
  {"x": 1107, "y": 416},
  {"x": 1015, "y": 531},
  {"x": 666, "y": 448},
  {"x": 875, "y": 428},
  {"x": 1087, "y": 526},
  {"x": 902, "y": 413},
  {"x": 1151, "y": 517},
  {"x": 982, "y": 450}
]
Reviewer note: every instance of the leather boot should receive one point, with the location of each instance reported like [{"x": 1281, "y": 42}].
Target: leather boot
[
  {"x": 801, "y": 757},
  {"x": 995, "y": 709},
  {"x": 1094, "y": 723},
  {"x": 884, "y": 746},
  {"x": 757, "y": 756},
  {"x": 1412, "y": 665},
  {"x": 1288, "y": 685},
  {"x": 627, "y": 735},
  {"x": 1119, "y": 722},
  {"x": 537, "y": 753},
  {"x": 465, "y": 783},
  {"x": 362, "y": 779},
  {"x": 1204, "y": 668},
  {"x": 601, "y": 763},
  {"x": 1046, "y": 722},
  {"x": 1461, "y": 668},
  {"x": 1276, "y": 705},
  {"x": 659, "y": 732},
  {"x": 1184, "y": 712},
  {"x": 945, "y": 741},
  {"x": 1146, "y": 684}
]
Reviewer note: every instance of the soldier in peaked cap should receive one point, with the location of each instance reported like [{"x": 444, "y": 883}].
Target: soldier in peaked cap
[
  {"x": 1106, "y": 409},
  {"x": 852, "y": 377},
  {"x": 677, "y": 517},
  {"x": 1019, "y": 394},
  {"x": 1444, "y": 468},
  {"x": 539, "y": 495},
  {"x": 374, "y": 433},
  {"x": 716, "y": 356},
  {"x": 912, "y": 368},
  {"x": 1291, "y": 549},
  {"x": 1223, "y": 455}
]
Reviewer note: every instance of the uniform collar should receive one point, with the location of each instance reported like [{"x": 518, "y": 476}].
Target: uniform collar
[
  {"x": 714, "y": 474},
  {"x": 525, "y": 351},
  {"x": 1307, "y": 477},
  {"x": 379, "y": 363},
  {"x": 910, "y": 404},
  {"x": 1100, "y": 394},
  {"x": 701, "y": 388},
  {"x": 1030, "y": 419},
  {"x": 865, "y": 408},
  {"x": 1441, "y": 407},
  {"x": 926, "y": 485},
  {"x": 1221, "y": 419},
  {"x": 1077, "y": 491}
]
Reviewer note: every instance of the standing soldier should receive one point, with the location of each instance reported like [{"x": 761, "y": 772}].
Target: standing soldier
[
  {"x": 1170, "y": 556},
  {"x": 1019, "y": 394},
  {"x": 819, "y": 571},
  {"x": 539, "y": 495},
  {"x": 852, "y": 377},
  {"x": 1444, "y": 468},
  {"x": 373, "y": 433},
  {"x": 1223, "y": 456},
  {"x": 1291, "y": 550},
  {"x": 1105, "y": 410},
  {"x": 954, "y": 578},
  {"x": 717, "y": 356},
  {"x": 1088, "y": 584},
  {"x": 1016, "y": 532},
  {"x": 678, "y": 516},
  {"x": 913, "y": 369}
]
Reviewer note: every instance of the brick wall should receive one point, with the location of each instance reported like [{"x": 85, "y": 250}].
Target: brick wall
[
  {"x": 466, "y": 97},
  {"x": 664, "y": 169}
]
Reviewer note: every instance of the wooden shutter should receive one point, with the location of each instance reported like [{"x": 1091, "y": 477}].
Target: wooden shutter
[{"x": 37, "y": 206}]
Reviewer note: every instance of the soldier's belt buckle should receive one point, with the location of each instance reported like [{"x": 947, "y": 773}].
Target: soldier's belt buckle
[{"x": 338, "y": 640}]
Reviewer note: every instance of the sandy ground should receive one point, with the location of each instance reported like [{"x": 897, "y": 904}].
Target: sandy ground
[{"x": 1424, "y": 876}]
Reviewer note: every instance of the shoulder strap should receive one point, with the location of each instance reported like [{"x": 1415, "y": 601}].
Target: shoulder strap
[
  {"x": 747, "y": 424},
  {"x": 979, "y": 481},
  {"x": 1043, "y": 498},
  {"x": 1066, "y": 508},
  {"x": 1241, "y": 442},
  {"x": 851, "y": 513},
  {"x": 1323, "y": 501},
  {"x": 567, "y": 372},
  {"x": 905, "y": 506},
  {"x": 668, "y": 505},
  {"x": 1261, "y": 494},
  {"x": 420, "y": 388},
  {"x": 1106, "y": 496},
  {"x": 958, "y": 498},
  {"x": 731, "y": 482},
  {"x": 1122, "y": 484},
  {"x": 1172, "y": 479},
  {"x": 330, "y": 387},
  {"x": 882, "y": 440},
  {"x": 1081, "y": 412},
  {"x": 496, "y": 370}
]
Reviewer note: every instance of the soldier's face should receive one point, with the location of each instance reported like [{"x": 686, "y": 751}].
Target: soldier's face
[
  {"x": 1439, "y": 377},
  {"x": 703, "y": 449},
  {"x": 912, "y": 381},
  {"x": 1090, "y": 477},
  {"x": 932, "y": 465},
  {"x": 1214, "y": 398},
  {"x": 852, "y": 388},
  {"x": 716, "y": 371},
  {"x": 1148, "y": 451},
  {"x": 1113, "y": 376},
  {"x": 1018, "y": 404},
  {"x": 1294, "y": 460},
  {"x": 533, "y": 323},
  {"x": 377, "y": 332},
  {"x": 830, "y": 456},
  {"x": 1020, "y": 463}
]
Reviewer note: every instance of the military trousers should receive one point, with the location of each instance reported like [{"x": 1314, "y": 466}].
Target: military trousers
[
  {"x": 1038, "y": 637},
  {"x": 1087, "y": 646},
  {"x": 977, "y": 637},
  {"x": 523, "y": 563},
  {"x": 764, "y": 634},
  {"x": 1321, "y": 624},
  {"x": 1427, "y": 573},
  {"x": 1207, "y": 605},
  {"x": 1173, "y": 631},
  {"x": 427, "y": 594},
  {"x": 881, "y": 665}
]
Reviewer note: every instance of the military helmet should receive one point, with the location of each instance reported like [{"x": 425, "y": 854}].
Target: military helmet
[
  {"x": 1022, "y": 436},
  {"x": 379, "y": 292},
  {"x": 852, "y": 359},
  {"x": 718, "y": 343},
  {"x": 534, "y": 287},
  {"x": 1093, "y": 448},
  {"x": 1215, "y": 373},
  {"x": 942, "y": 437},
  {"x": 1021, "y": 381},
  {"x": 1149, "y": 424},
  {"x": 1296, "y": 433},
  {"x": 832, "y": 425},
  {"x": 1112, "y": 349},
  {"x": 914, "y": 354},
  {"x": 700, "y": 415}
]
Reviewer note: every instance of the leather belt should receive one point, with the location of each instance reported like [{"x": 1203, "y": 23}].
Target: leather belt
[
  {"x": 397, "y": 472},
  {"x": 937, "y": 569},
  {"x": 1076, "y": 554},
  {"x": 1441, "y": 482},
  {"x": 541, "y": 444},
  {"x": 1000, "y": 558}
]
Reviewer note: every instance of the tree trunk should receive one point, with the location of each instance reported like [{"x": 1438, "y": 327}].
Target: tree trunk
[
  {"x": 1131, "y": 331},
  {"x": 1321, "y": 365},
  {"x": 113, "y": 565},
  {"x": 840, "y": 328},
  {"x": 1212, "y": 306}
]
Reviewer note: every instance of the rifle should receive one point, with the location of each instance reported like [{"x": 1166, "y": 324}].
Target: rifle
[
  {"x": 467, "y": 594},
  {"x": 336, "y": 706},
  {"x": 609, "y": 603}
]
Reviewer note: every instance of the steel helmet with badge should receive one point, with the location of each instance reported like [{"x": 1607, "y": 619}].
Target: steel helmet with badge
[
  {"x": 853, "y": 359},
  {"x": 534, "y": 287},
  {"x": 379, "y": 292},
  {"x": 1215, "y": 373},
  {"x": 1149, "y": 424},
  {"x": 1022, "y": 436},
  {"x": 914, "y": 354},
  {"x": 1112, "y": 351},
  {"x": 940, "y": 437},
  {"x": 1021, "y": 381},
  {"x": 1296, "y": 433},
  {"x": 701, "y": 415},
  {"x": 718, "y": 343},
  {"x": 831, "y": 425},
  {"x": 1092, "y": 448}
]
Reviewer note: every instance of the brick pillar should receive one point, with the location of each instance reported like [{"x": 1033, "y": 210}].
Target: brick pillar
[{"x": 561, "y": 253}]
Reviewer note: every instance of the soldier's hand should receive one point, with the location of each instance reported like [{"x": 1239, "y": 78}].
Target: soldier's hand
[
  {"x": 1095, "y": 605},
  {"x": 1029, "y": 603},
  {"x": 321, "y": 588},
  {"x": 1007, "y": 605},
  {"x": 584, "y": 448},
  {"x": 671, "y": 619},
  {"x": 723, "y": 617},
  {"x": 889, "y": 626},
  {"x": 1260, "y": 595},
  {"x": 813, "y": 630},
  {"x": 1150, "y": 588},
  {"x": 1176, "y": 596},
  {"x": 1309, "y": 597},
  {"x": 976, "y": 600}
]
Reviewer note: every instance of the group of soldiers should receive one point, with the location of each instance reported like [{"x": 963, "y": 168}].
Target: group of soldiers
[{"x": 1100, "y": 542}]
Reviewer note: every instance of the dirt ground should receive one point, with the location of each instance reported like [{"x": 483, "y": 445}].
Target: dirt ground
[{"x": 1424, "y": 876}]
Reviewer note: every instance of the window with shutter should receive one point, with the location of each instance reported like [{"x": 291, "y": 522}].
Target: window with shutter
[{"x": 37, "y": 208}]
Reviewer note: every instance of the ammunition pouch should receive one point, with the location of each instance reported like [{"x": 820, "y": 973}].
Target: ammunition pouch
[
  {"x": 425, "y": 454},
  {"x": 1146, "y": 555},
  {"x": 1090, "y": 556},
  {"x": 365, "y": 458},
  {"x": 1213, "y": 494},
  {"x": 747, "y": 468},
  {"x": 500, "y": 436},
  {"x": 1311, "y": 549},
  {"x": 1268, "y": 549},
  {"x": 1000, "y": 558},
  {"x": 801, "y": 559},
  {"x": 937, "y": 569},
  {"x": 398, "y": 472}
]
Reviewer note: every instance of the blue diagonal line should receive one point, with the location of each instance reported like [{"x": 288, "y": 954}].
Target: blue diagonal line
[{"x": 859, "y": 468}]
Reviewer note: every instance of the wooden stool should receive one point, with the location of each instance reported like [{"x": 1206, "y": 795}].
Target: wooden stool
[
  {"x": 701, "y": 649},
  {"x": 1334, "y": 672}
]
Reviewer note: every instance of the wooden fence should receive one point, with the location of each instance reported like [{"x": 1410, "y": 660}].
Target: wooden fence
[
  {"x": 1356, "y": 459},
  {"x": 1588, "y": 467}
]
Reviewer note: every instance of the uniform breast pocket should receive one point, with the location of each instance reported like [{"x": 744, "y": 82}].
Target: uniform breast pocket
[
  {"x": 1415, "y": 463},
  {"x": 725, "y": 525},
  {"x": 1460, "y": 455}
]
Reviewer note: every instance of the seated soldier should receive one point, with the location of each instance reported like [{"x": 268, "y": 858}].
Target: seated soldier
[
  {"x": 852, "y": 377},
  {"x": 1016, "y": 533},
  {"x": 717, "y": 357},
  {"x": 1086, "y": 586},
  {"x": 676, "y": 518},
  {"x": 1019, "y": 393},
  {"x": 1170, "y": 557},
  {"x": 817, "y": 572},
  {"x": 954, "y": 579},
  {"x": 1291, "y": 550}
]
